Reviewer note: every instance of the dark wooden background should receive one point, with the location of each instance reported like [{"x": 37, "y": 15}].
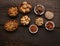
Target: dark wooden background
[{"x": 22, "y": 37}]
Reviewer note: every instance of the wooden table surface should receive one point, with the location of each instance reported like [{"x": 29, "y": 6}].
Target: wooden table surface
[{"x": 22, "y": 37}]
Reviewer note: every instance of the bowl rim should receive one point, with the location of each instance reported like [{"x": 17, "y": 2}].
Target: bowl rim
[
  {"x": 42, "y": 7},
  {"x": 52, "y": 23},
  {"x": 36, "y": 27}
]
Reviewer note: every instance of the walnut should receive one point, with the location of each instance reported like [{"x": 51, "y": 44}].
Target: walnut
[
  {"x": 11, "y": 25},
  {"x": 25, "y": 20},
  {"x": 13, "y": 11},
  {"x": 39, "y": 21},
  {"x": 25, "y": 7}
]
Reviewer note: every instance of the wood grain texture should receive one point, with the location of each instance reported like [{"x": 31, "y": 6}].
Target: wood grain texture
[{"x": 22, "y": 36}]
